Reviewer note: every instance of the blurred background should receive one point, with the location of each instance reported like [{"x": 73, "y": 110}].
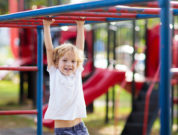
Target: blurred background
[{"x": 126, "y": 46}]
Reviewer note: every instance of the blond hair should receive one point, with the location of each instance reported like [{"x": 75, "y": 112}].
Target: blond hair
[{"x": 59, "y": 52}]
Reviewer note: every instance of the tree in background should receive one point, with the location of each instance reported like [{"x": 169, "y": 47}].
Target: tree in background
[
  {"x": 29, "y": 3},
  {"x": 3, "y": 6}
]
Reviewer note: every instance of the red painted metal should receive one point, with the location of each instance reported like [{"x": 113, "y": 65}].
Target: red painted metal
[
  {"x": 97, "y": 14},
  {"x": 147, "y": 101},
  {"x": 175, "y": 101},
  {"x": 18, "y": 112},
  {"x": 59, "y": 19},
  {"x": 126, "y": 9},
  {"x": 22, "y": 68},
  {"x": 71, "y": 17},
  {"x": 66, "y": 17},
  {"x": 174, "y": 72},
  {"x": 17, "y": 26},
  {"x": 13, "y": 7},
  {"x": 174, "y": 4}
]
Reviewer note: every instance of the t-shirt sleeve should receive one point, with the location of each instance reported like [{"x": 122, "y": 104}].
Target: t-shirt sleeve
[
  {"x": 80, "y": 69},
  {"x": 51, "y": 69}
]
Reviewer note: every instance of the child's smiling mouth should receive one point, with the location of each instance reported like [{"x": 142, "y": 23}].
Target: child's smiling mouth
[{"x": 68, "y": 69}]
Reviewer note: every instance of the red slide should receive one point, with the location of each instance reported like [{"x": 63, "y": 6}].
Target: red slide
[
  {"x": 94, "y": 87},
  {"x": 100, "y": 82}
]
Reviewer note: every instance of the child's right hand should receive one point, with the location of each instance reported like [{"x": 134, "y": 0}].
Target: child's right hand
[{"x": 48, "y": 22}]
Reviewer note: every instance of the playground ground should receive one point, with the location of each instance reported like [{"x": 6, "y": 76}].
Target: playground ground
[{"x": 20, "y": 125}]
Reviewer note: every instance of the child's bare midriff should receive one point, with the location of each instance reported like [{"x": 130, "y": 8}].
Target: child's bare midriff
[{"x": 67, "y": 123}]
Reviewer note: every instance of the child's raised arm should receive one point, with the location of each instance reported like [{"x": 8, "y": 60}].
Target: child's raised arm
[
  {"x": 80, "y": 35},
  {"x": 48, "y": 41}
]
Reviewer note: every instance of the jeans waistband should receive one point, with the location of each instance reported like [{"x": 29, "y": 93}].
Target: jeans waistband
[{"x": 78, "y": 126}]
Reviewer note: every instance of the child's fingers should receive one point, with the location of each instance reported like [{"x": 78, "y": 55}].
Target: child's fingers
[
  {"x": 53, "y": 20},
  {"x": 82, "y": 21},
  {"x": 48, "y": 21},
  {"x": 82, "y": 17}
]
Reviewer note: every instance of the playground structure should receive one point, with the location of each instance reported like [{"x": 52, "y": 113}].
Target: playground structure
[{"x": 33, "y": 19}]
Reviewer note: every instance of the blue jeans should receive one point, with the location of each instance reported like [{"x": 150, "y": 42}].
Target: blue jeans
[{"x": 79, "y": 129}]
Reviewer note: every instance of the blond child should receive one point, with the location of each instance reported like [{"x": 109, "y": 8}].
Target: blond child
[{"x": 66, "y": 103}]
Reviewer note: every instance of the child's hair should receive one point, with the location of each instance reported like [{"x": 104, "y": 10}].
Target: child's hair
[{"x": 64, "y": 48}]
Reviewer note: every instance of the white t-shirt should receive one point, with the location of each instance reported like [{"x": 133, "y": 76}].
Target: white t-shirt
[{"x": 66, "y": 101}]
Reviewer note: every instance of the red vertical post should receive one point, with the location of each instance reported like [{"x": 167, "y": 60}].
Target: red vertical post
[
  {"x": 20, "y": 5},
  {"x": 13, "y": 7}
]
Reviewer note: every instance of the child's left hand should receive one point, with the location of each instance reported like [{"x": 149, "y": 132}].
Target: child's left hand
[
  {"x": 80, "y": 22},
  {"x": 48, "y": 21}
]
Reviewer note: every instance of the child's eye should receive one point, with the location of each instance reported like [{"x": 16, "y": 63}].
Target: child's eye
[
  {"x": 73, "y": 61},
  {"x": 64, "y": 60}
]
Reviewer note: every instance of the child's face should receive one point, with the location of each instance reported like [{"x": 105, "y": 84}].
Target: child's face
[{"x": 67, "y": 64}]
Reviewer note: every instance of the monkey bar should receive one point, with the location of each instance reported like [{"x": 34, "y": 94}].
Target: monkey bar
[
  {"x": 97, "y": 12},
  {"x": 22, "y": 68},
  {"x": 18, "y": 112},
  {"x": 92, "y": 16},
  {"x": 155, "y": 4}
]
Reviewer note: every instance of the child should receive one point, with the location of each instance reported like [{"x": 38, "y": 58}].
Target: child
[{"x": 66, "y": 103}]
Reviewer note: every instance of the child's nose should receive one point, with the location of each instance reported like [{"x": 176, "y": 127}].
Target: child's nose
[{"x": 69, "y": 63}]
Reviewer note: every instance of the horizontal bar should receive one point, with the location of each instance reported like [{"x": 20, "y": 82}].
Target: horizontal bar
[
  {"x": 70, "y": 22},
  {"x": 18, "y": 112},
  {"x": 174, "y": 4},
  {"x": 98, "y": 14},
  {"x": 17, "y": 26},
  {"x": 141, "y": 16},
  {"x": 71, "y": 19},
  {"x": 66, "y": 8},
  {"x": 22, "y": 68},
  {"x": 66, "y": 19},
  {"x": 175, "y": 101},
  {"x": 59, "y": 19},
  {"x": 126, "y": 9},
  {"x": 174, "y": 72},
  {"x": 21, "y": 23},
  {"x": 175, "y": 11}
]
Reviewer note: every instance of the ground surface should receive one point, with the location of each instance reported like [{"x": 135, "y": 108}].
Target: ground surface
[{"x": 95, "y": 122}]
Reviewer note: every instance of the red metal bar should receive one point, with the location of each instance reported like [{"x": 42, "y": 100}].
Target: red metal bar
[
  {"x": 22, "y": 68},
  {"x": 174, "y": 4},
  {"x": 34, "y": 26},
  {"x": 26, "y": 24},
  {"x": 18, "y": 112},
  {"x": 23, "y": 22},
  {"x": 72, "y": 18},
  {"x": 68, "y": 18},
  {"x": 126, "y": 9},
  {"x": 78, "y": 18},
  {"x": 17, "y": 26},
  {"x": 174, "y": 72},
  {"x": 175, "y": 101},
  {"x": 147, "y": 101},
  {"x": 97, "y": 14}
]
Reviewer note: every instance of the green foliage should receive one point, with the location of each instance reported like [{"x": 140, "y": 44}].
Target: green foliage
[
  {"x": 47, "y": 2},
  {"x": 29, "y": 3},
  {"x": 38, "y": 2},
  {"x": 8, "y": 92},
  {"x": 5, "y": 55},
  {"x": 3, "y": 6},
  {"x": 153, "y": 22}
]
